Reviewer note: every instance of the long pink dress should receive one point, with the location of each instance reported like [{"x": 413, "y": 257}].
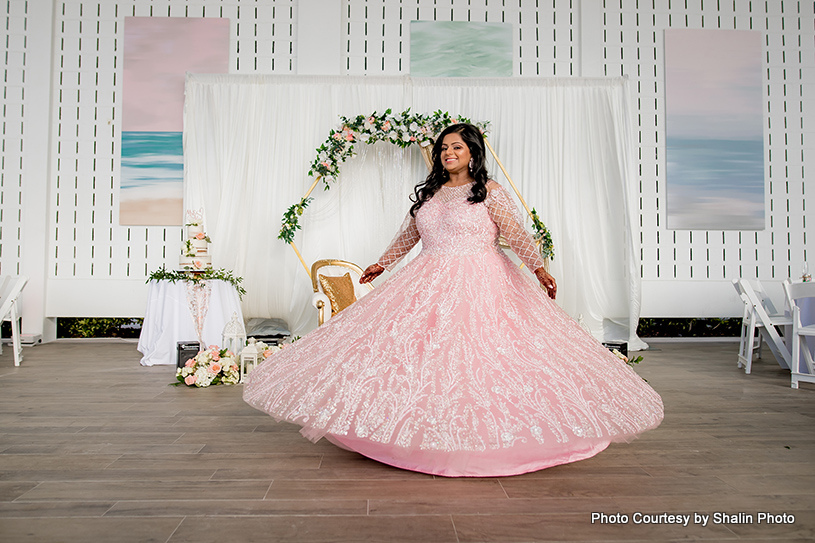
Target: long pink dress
[{"x": 459, "y": 364}]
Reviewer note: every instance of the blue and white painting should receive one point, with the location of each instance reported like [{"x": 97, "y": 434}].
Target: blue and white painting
[
  {"x": 460, "y": 49},
  {"x": 714, "y": 130}
]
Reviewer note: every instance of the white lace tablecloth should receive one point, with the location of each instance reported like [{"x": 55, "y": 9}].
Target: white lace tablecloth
[{"x": 183, "y": 311}]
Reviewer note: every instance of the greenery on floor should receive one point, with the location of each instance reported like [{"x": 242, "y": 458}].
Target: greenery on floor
[
  {"x": 83, "y": 327},
  {"x": 724, "y": 327}
]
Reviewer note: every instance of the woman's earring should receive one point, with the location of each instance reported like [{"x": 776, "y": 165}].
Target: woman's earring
[{"x": 471, "y": 165}]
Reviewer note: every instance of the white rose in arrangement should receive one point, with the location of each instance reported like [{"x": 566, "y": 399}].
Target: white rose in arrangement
[{"x": 203, "y": 378}]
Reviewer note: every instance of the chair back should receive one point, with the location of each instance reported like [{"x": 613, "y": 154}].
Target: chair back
[
  {"x": 337, "y": 268},
  {"x": 801, "y": 290},
  {"x": 785, "y": 284},
  {"x": 10, "y": 289},
  {"x": 762, "y": 296},
  {"x": 775, "y": 342}
]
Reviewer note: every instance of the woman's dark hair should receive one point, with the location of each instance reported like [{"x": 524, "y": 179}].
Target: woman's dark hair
[{"x": 438, "y": 176}]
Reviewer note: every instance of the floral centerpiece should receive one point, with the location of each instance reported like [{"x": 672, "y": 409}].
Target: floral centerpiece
[
  {"x": 213, "y": 366},
  {"x": 265, "y": 351}
]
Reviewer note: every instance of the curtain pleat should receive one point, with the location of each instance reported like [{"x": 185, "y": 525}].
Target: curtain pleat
[{"x": 566, "y": 143}]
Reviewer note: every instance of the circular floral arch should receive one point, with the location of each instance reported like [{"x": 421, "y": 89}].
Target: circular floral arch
[{"x": 403, "y": 129}]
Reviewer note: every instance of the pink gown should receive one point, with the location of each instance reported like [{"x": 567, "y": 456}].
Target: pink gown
[{"x": 459, "y": 364}]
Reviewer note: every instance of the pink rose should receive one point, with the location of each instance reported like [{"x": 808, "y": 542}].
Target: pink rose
[
  {"x": 189, "y": 363},
  {"x": 386, "y": 126},
  {"x": 349, "y": 136},
  {"x": 189, "y": 380},
  {"x": 233, "y": 367},
  {"x": 213, "y": 347},
  {"x": 215, "y": 367},
  {"x": 200, "y": 235},
  {"x": 198, "y": 264},
  {"x": 267, "y": 353},
  {"x": 412, "y": 138}
]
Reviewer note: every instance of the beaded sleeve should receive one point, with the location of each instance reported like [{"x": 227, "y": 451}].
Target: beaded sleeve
[
  {"x": 405, "y": 240},
  {"x": 504, "y": 213}
]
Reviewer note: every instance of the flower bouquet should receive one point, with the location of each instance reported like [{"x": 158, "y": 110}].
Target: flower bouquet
[
  {"x": 213, "y": 366},
  {"x": 265, "y": 351}
]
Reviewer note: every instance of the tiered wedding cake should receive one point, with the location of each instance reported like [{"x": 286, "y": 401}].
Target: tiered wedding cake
[{"x": 195, "y": 249}]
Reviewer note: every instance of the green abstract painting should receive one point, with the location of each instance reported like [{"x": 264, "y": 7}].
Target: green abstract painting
[{"x": 460, "y": 49}]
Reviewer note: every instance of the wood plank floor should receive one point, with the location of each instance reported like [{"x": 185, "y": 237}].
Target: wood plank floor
[{"x": 95, "y": 448}]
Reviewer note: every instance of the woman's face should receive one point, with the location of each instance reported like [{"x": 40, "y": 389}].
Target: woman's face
[{"x": 455, "y": 155}]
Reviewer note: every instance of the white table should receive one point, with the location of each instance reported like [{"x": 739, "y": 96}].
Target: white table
[{"x": 177, "y": 311}]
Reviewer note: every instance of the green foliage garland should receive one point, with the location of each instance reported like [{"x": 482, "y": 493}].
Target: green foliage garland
[
  {"x": 163, "y": 274},
  {"x": 402, "y": 129},
  {"x": 546, "y": 246}
]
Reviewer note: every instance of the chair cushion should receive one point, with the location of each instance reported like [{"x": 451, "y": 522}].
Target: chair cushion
[{"x": 340, "y": 290}]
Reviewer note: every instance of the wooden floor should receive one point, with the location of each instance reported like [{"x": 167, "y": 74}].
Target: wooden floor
[{"x": 95, "y": 448}]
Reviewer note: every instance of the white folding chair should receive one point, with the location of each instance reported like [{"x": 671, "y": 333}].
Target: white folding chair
[
  {"x": 757, "y": 318},
  {"x": 9, "y": 292},
  {"x": 797, "y": 292}
]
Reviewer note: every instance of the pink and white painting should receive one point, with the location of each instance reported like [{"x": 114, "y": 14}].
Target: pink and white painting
[{"x": 158, "y": 52}]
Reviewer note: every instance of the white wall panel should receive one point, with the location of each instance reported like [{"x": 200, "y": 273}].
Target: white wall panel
[
  {"x": 685, "y": 273},
  {"x": 87, "y": 244},
  {"x": 699, "y": 259}
]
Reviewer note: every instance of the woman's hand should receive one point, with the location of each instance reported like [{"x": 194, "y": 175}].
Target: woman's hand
[
  {"x": 547, "y": 282},
  {"x": 371, "y": 272}
]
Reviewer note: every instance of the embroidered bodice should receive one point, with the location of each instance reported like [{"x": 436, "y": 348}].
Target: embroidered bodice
[{"x": 449, "y": 224}]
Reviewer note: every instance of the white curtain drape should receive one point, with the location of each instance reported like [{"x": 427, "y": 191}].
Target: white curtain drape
[{"x": 567, "y": 144}]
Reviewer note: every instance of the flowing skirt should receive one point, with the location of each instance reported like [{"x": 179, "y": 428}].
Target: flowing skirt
[{"x": 458, "y": 365}]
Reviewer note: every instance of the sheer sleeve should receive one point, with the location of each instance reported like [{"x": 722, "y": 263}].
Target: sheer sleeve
[
  {"x": 504, "y": 213},
  {"x": 405, "y": 240}
]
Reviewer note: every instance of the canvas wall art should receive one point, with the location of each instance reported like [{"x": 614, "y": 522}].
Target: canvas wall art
[
  {"x": 714, "y": 130},
  {"x": 158, "y": 52},
  {"x": 460, "y": 49}
]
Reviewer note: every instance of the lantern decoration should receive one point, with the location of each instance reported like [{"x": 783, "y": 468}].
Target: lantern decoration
[
  {"x": 234, "y": 335},
  {"x": 249, "y": 355}
]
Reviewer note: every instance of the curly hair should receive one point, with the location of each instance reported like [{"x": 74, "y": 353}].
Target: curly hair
[{"x": 438, "y": 176}]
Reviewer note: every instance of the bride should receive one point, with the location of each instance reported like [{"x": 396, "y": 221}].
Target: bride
[{"x": 458, "y": 364}]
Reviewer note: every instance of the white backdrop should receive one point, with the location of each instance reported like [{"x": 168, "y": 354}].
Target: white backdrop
[{"x": 566, "y": 143}]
